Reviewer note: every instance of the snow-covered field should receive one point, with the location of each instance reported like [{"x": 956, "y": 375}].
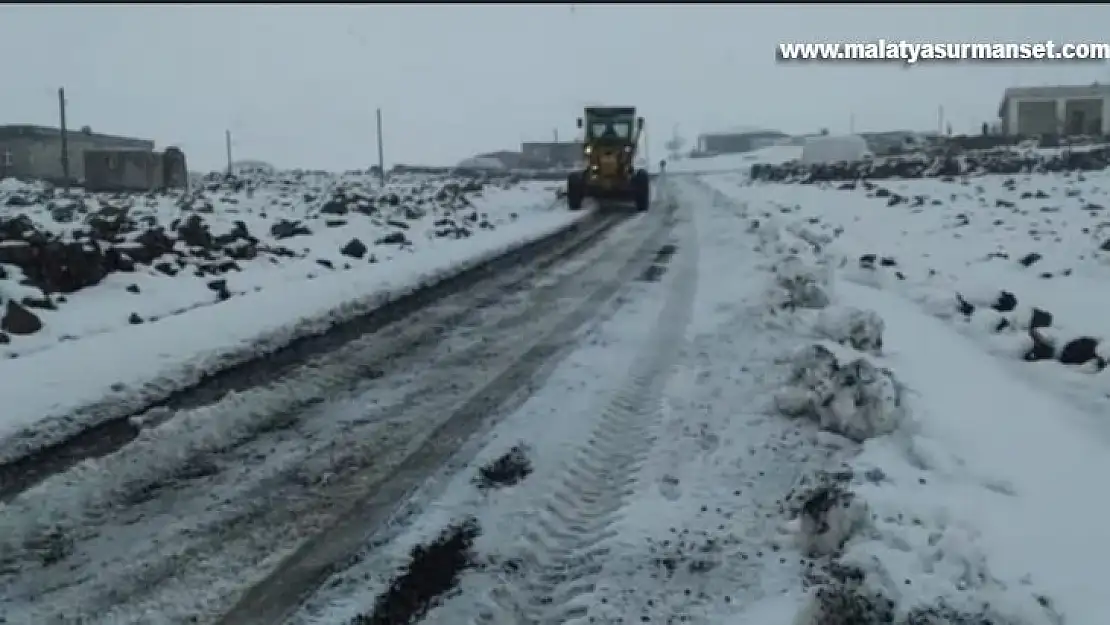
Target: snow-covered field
[
  {"x": 119, "y": 296},
  {"x": 991, "y": 288}
]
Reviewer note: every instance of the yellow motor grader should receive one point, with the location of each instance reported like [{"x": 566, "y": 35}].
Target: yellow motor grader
[{"x": 612, "y": 134}]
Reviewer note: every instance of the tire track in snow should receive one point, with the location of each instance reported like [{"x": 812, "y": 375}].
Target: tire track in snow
[
  {"x": 573, "y": 522},
  {"x": 280, "y": 593}
]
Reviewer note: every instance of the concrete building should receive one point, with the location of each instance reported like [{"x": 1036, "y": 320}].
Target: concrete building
[
  {"x": 551, "y": 154},
  {"x": 737, "y": 141},
  {"x": 1061, "y": 110},
  {"x": 35, "y": 152},
  {"x": 134, "y": 170}
]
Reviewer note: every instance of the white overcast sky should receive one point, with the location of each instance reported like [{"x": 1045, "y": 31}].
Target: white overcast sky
[{"x": 298, "y": 84}]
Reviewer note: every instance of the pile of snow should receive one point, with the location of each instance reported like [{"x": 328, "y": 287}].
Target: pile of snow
[
  {"x": 178, "y": 284},
  {"x": 829, "y": 149},
  {"x": 972, "y": 496}
]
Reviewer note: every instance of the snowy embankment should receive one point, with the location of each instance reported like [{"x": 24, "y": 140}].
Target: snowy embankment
[
  {"x": 117, "y": 297},
  {"x": 984, "y": 500}
]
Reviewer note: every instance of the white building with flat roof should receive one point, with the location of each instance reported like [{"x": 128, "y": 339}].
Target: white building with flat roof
[{"x": 1059, "y": 110}]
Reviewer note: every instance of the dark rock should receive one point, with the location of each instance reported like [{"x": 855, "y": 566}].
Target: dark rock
[
  {"x": 1081, "y": 351},
  {"x": 134, "y": 319},
  {"x": 354, "y": 248},
  {"x": 508, "y": 470},
  {"x": 41, "y": 303},
  {"x": 285, "y": 229},
  {"x": 963, "y": 306},
  {"x": 1029, "y": 259},
  {"x": 394, "y": 238},
  {"x": 1006, "y": 302},
  {"x": 1040, "y": 319},
  {"x": 18, "y": 320},
  {"x": 1042, "y": 349}
]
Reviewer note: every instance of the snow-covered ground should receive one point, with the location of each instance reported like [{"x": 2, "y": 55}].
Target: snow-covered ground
[
  {"x": 787, "y": 439},
  {"x": 119, "y": 296},
  {"x": 651, "y": 474},
  {"x": 789, "y": 418},
  {"x": 991, "y": 290}
]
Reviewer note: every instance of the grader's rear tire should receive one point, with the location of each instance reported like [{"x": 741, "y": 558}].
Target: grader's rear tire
[
  {"x": 641, "y": 190},
  {"x": 576, "y": 191}
]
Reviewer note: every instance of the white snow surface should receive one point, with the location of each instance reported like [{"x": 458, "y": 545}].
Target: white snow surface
[
  {"x": 699, "y": 534},
  {"x": 973, "y": 475},
  {"x": 88, "y": 352},
  {"x": 986, "y": 493}
]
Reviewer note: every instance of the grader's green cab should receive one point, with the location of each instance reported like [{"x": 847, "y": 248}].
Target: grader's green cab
[{"x": 612, "y": 134}]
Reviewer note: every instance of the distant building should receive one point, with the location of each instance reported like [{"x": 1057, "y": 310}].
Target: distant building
[
  {"x": 482, "y": 163},
  {"x": 737, "y": 141},
  {"x": 893, "y": 141},
  {"x": 134, "y": 170},
  {"x": 551, "y": 154},
  {"x": 1059, "y": 110},
  {"x": 249, "y": 166},
  {"x": 35, "y": 152}
]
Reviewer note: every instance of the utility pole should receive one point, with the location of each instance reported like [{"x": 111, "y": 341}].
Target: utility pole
[
  {"x": 65, "y": 136},
  {"x": 852, "y": 124},
  {"x": 381, "y": 153},
  {"x": 556, "y": 131},
  {"x": 940, "y": 119},
  {"x": 227, "y": 140}
]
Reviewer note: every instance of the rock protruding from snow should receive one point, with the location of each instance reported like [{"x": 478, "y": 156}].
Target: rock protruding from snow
[
  {"x": 828, "y": 517},
  {"x": 849, "y": 595},
  {"x": 55, "y": 242},
  {"x": 855, "y": 399},
  {"x": 859, "y": 329}
]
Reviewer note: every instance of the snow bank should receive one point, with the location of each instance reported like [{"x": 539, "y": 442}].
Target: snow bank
[
  {"x": 925, "y": 524},
  {"x": 294, "y": 262}
]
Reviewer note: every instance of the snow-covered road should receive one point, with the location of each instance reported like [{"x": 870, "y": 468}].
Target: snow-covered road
[
  {"x": 754, "y": 438},
  {"x": 707, "y": 418},
  {"x": 209, "y": 502},
  {"x": 650, "y": 472}
]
